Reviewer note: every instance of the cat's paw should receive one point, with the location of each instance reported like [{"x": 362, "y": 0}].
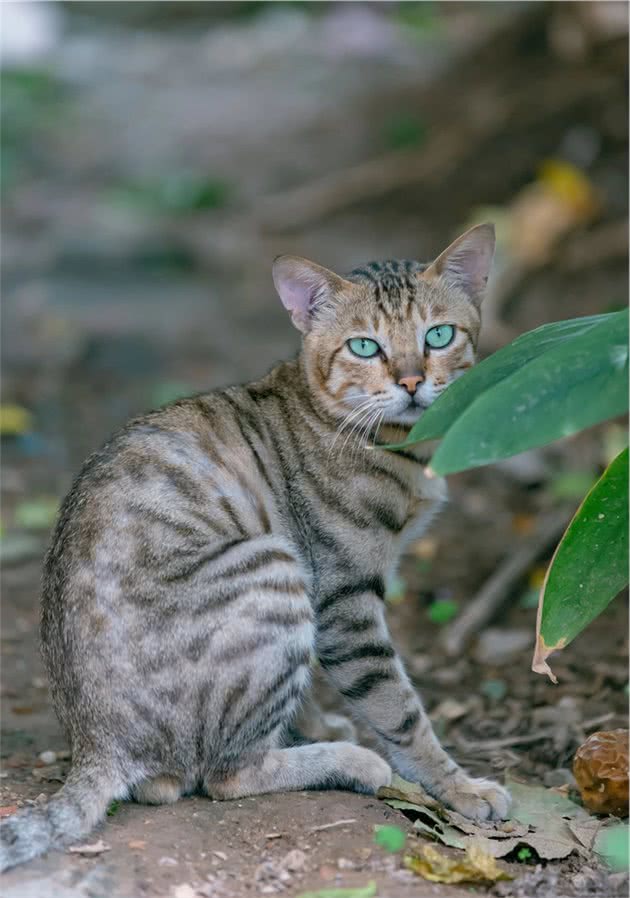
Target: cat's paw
[
  {"x": 478, "y": 799},
  {"x": 360, "y": 769}
]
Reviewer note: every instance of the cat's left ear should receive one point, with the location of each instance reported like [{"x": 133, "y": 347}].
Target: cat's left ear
[
  {"x": 305, "y": 287},
  {"x": 466, "y": 263}
]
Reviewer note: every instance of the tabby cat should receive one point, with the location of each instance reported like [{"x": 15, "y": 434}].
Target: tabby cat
[{"x": 212, "y": 550}]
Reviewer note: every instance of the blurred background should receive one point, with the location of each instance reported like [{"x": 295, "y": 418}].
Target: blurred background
[{"x": 157, "y": 156}]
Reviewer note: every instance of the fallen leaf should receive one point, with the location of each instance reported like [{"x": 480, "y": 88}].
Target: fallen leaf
[
  {"x": 137, "y": 844},
  {"x": 90, "y": 850},
  {"x": 367, "y": 891},
  {"x": 391, "y": 838},
  {"x": 476, "y": 866},
  {"x": 412, "y": 793},
  {"x": 8, "y": 809},
  {"x": 612, "y": 844},
  {"x": 544, "y": 820}
]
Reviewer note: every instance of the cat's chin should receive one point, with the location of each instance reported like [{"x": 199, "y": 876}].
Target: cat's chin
[{"x": 406, "y": 418}]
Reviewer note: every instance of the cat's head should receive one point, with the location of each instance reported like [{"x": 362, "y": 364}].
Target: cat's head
[{"x": 385, "y": 341}]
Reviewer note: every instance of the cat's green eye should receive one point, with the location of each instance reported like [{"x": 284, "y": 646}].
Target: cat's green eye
[
  {"x": 364, "y": 347},
  {"x": 440, "y": 336}
]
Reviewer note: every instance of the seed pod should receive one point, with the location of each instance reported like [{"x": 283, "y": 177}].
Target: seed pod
[{"x": 600, "y": 768}]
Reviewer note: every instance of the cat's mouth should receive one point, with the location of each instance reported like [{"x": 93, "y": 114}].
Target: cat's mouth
[{"x": 410, "y": 413}]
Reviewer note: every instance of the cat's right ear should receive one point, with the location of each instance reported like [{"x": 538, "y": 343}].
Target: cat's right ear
[{"x": 305, "y": 287}]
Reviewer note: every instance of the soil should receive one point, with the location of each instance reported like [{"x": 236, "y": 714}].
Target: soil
[{"x": 112, "y": 305}]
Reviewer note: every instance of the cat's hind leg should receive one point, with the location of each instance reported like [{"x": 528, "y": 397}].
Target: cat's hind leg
[{"x": 322, "y": 765}]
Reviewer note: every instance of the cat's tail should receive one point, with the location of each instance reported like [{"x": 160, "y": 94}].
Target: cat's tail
[{"x": 69, "y": 815}]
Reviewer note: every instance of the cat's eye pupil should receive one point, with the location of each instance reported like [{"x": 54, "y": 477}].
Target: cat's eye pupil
[
  {"x": 363, "y": 347},
  {"x": 440, "y": 336}
]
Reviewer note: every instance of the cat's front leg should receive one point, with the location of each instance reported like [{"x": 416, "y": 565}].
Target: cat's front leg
[{"x": 356, "y": 653}]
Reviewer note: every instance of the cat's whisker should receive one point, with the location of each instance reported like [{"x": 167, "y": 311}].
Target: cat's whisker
[
  {"x": 356, "y": 412},
  {"x": 356, "y": 427}
]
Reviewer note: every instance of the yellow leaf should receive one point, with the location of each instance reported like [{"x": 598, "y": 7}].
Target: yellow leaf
[
  {"x": 571, "y": 185},
  {"x": 14, "y": 420},
  {"x": 476, "y": 866}
]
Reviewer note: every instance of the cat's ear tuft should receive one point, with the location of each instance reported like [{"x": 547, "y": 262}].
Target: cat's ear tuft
[
  {"x": 304, "y": 287},
  {"x": 466, "y": 263}
]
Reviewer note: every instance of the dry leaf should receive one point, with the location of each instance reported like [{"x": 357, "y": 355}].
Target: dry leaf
[
  {"x": 410, "y": 792},
  {"x": 476, "y": 866},
  {"x": 543, "y": 819},
  {"x": 137, "y": 844},
  {"x": 90, "y": 850}
]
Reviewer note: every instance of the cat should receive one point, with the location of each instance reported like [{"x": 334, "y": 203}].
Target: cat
[{"x": 214, "y": 549}]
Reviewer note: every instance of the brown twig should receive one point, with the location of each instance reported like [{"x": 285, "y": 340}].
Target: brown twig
[
  {"x": 496, "y": 590},
  {"x": 323, "y": 826}
]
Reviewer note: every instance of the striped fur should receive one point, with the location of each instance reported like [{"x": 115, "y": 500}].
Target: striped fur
[{"x": 212, "y": 550}]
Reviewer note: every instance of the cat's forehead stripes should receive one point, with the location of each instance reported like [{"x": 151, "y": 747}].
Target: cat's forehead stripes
[{"x": 393, "y": 283}]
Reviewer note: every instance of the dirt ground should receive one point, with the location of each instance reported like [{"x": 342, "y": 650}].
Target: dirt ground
[{"x": 117, "y": 296}]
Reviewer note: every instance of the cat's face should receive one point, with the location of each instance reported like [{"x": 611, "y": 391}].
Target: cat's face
[{"x": 381, "y": 345}]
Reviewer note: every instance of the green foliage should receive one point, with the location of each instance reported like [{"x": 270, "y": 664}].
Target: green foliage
[
  {"x": 405, "y": 131},
  {"x": 177, "y": 193},
  {"x": 547, "y": 384},
  {"x": 524, "y": 854},
  {"x": 550, "y": 383},
  {"x": 442, "y": 611},
  {"x": 391, "y": 838},
  {"x": 590, "y": 565},
  {"x": 421, "y": 17},
  {"x": 36, "y": 514},
  {"x": 113, "y": 808},
  {"x": 613, "y": 844}
]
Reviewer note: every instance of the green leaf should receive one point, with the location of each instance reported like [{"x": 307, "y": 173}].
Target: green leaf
[
  {"x": 442, "y": 611},
  {"x": 391, "y": 838},
  {"x": 547, "y": 384},
  {"x": 453, "y": 402},
  {"x": 113, "y": 808},
  {"x": 613, "y": 844},
  {"x": 367, "y": 891},
  {"x": 589, "y": 567}
]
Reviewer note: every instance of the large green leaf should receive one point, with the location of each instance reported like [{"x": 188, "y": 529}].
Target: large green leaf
[
  {"x": 572, "y": 385},
  {"x": 453, "y": 402},
  {"x": 589, "y": 567}
]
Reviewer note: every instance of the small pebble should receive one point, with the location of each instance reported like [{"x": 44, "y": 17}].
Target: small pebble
[
  {"x": 48, "y": 757},
  {"x": 295, "y": 860}
]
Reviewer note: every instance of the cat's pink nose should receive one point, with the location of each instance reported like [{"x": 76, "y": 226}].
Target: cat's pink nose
[{"x": 411, "y": 383}]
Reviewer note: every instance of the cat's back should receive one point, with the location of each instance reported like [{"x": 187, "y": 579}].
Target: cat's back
[{"x": 166, "y": 486}]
